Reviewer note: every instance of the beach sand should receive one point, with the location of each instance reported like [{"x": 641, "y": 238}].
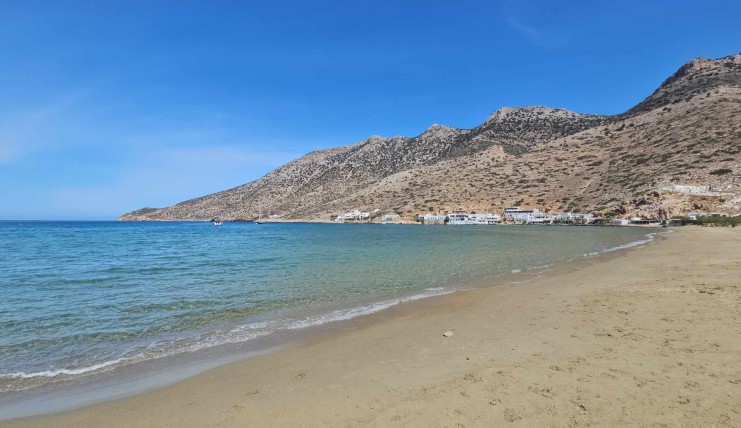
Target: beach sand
[{"x": 649, "y": 336}]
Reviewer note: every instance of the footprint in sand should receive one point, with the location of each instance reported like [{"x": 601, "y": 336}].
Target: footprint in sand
[{"x": 511, "y": 415}]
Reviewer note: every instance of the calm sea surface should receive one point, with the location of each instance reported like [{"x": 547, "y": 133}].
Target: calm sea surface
[{"x": 84, "y": 297}]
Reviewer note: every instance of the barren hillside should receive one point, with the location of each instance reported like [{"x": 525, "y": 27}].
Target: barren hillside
[{"x": 687, "y": 132}]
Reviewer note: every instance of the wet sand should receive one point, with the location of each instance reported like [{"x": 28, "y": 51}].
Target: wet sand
[{"x": 646, "y": 336}]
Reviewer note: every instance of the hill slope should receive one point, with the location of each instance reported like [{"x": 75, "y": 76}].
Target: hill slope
[{"x": 687, "y": 132}]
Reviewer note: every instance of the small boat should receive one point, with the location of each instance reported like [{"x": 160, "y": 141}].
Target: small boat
[{"x": 217, "y": 222}]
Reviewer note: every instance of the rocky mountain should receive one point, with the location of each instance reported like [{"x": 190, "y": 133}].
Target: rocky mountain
[
  {"x": 697, "y": 77},
  {"x": 687, "y": 132}
]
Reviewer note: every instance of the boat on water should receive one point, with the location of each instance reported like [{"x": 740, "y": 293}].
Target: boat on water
[{"x": 217, "y": 222}]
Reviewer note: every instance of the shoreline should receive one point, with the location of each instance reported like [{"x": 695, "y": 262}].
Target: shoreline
[
  {"x": 115, "y": 381},
  {"x": 404, "y": 223},
  {"x": 391, "y": 323}
]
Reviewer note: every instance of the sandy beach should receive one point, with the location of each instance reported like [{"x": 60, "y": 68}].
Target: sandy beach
[{"x": 649, "y": 336}]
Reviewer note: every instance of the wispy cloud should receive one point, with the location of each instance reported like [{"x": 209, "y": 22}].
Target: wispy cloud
[
  {"x": 520, "y": 17},
  {"x": 164, "y": 177},
  {"x": 26, "y": 131},
  {"x": 538, "y": 36},
  {"x": 80, "y": 157}
]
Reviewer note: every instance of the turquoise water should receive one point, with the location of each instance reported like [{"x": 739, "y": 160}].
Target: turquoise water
[{"x": 84, "y": 297}]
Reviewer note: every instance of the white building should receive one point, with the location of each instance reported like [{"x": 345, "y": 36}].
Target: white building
[
  {"x": 586, "y": 218},
  {"x": 539, "y": 218},
  {"x": 458, "y": 217},
  {"x": 692, "y": 190},
  {"x": 564, "y": 217},
  {"x": 493, "y": 219},
  {"x": 520, "y": 216},
  {"x": 508, "y": 212},
  {"x": 619, "y": 222},
  {"x": 354, "y": 215},
  {"x": 645, "y": 222},
  {"x": 694, "y": 214},
  {"x": 483, "y": 218},
  {"x": 433, "y": 219}
]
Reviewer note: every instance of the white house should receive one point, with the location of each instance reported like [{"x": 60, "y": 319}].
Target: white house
[
  {"x": 354, "y": 215},
  {"x": 458, "y": 217},
  {"x": 519, "y": 215},
  {"x": 493, "y": 219},
  {"x": 539, "y": 218},
  {"x": 619, "y": 222},
  {"x": 523, "y": 216},
  {"x": 694, "y": 214},
  {"x": 564, "y": 216},
  {"x": 587, "y": 217},
  {"x": 483, "y": 218},
  {"x": 509, "y": 211},
  {"x": 433, "y": 219},
  {"x": 648, "y": 222},
  {"x": 692, "y": 190},
  {"x": 674, "y": 222}
]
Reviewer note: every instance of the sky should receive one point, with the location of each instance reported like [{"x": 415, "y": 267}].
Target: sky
[{"x": 107, "y": 107}]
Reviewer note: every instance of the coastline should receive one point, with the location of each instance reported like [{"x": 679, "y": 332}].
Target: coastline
[
  {"x": 84, "y": 384},
  {"x": 395, "y": 365},
  {"x": 60, "y": 390}
]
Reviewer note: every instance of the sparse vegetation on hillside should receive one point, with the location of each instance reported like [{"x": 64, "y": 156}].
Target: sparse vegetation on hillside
[
  {"x": 687, "y": 132},
  {"x": 721, "y": 171},
  {"x": 714, "y": 220}
]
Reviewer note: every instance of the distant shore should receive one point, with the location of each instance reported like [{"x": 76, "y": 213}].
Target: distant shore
[
  {"x": 404, "y": 222},
  {"x": 648, "y": 335}
]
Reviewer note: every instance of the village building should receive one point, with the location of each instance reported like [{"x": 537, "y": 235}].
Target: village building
[
  {"x": 458, "y": 217},
  {"x": 483, "y": 218},
  {"x": 692, "y": 190},
  {"x": 354, "y": 215},
  {"x": 573, "y": 218},
  {"x": 522, "y": 216},
  {"x": 644, "y": 222},
  {"x": 433, "y": 219},
  {"x": 692, "y": 215},
  {"x": 537, "y": 218}
]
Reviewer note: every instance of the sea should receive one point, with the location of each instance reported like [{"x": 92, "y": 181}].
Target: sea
[{"x": 84, "y": 298}]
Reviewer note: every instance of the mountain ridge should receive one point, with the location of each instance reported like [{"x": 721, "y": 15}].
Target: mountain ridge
[{"x": 378, "y": 172}]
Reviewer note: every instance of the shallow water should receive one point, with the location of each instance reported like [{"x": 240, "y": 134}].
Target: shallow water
[{"x": 84, "y": 297}]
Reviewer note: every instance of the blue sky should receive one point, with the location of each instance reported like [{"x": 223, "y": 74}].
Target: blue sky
[{"x": 108, "y": 107}]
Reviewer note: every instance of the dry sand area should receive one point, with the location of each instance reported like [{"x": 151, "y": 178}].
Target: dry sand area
[{"x": 649, "y": 336}]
